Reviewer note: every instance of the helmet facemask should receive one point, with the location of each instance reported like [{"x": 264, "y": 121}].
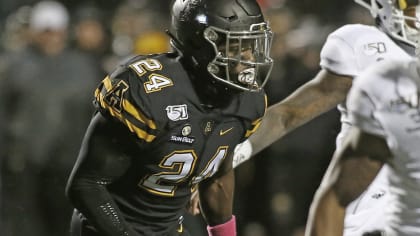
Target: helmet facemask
[
  {"x": 410, "y": 18},
  {"x": 399, "y": 18},
  {"x": 242, "y": 58}
]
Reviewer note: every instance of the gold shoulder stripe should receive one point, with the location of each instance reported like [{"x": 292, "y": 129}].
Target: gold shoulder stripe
[
  {"x": 107, "y": 86},
  {"x": 107, "y": 83},
  {"x": 256, "y": 124},
  {"x": 265, "y": 103},
  {"x": 139, "y": 132},
  {"x": 133, "y": 128},
  {"x": 136, "y": 114},
  {"x": 127, "y": 106}
]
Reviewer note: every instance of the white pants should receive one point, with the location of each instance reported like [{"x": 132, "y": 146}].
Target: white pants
[{"x": 367, "y": 213}]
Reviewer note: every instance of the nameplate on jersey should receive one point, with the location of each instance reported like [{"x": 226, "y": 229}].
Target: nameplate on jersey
[
  {"x": 177, "y": 112},
  {"x": 182, "y": 139}
]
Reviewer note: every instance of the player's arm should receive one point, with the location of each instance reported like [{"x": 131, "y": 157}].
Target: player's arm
[
  {"x": 317, "y": 96},
  {"x": 101, "y": 161},
  {"x": 351, "y": 171},
  {"x": 216, "y": 201}
]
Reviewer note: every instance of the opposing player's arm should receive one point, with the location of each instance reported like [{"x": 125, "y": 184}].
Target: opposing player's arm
[
  {"x": 317, "y": 96},
  {"x": 100, "y": 162},
  {"x": 351, "y": 171}
]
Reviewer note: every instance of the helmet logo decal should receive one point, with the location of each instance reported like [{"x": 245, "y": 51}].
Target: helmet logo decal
[{"x": 177, "y": 112}]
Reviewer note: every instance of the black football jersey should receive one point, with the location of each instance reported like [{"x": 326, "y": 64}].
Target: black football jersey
[{"x": 179, "y": 142}]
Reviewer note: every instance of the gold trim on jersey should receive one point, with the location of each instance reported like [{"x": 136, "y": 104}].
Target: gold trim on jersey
[
  {"x": 256, "y": 124},
  {"x": 175, "y": 168},
  {"x": 214, "y": 162},
  {"x": 131, "y": 109},
  {"x": 180, "y": 229},
  {"x": 126, "y": 111},
  {"x": 265, "y": 103}
]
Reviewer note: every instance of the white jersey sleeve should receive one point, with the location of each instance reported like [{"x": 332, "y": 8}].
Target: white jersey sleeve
[
  {"x": 349, "y": 51},
  {"x": 384, "y": 100},
  {"x": 337, "y": 56},
  {"x": 352, "y": 48},
  {"x": 378, "y": 91}
]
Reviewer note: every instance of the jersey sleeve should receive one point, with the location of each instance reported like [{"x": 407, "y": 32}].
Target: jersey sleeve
[
  {"x": 361, "y": 109},
  {"x": 119, "y": 98},
  {"x": 337, "y": 56}
]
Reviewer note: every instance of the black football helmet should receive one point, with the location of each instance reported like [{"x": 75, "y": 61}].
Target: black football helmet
[{"x": 228, "y": 39}]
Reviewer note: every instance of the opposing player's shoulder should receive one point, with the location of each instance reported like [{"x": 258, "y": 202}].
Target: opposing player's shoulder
[
  {"x": 389, "y": 69},
  {"x": 384, "y": 86},
  {"x": 340, "y": 53},
  {"x": 352, "y": 48},
  {"x": 364, "y": 39},
  {"x": 379, "y": 79},
  {"x": 352, "y": 31}
]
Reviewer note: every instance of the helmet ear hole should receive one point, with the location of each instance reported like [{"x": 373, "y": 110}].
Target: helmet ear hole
[
  {"x": 211, "y": 35},
  {"x": 212, "y": 68}
]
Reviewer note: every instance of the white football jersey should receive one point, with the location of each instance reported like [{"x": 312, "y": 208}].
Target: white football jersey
[
  {"x": 349, "y": 51},
  {"x": 353, "y": 48},
  {"x": 385, "y": 102}
]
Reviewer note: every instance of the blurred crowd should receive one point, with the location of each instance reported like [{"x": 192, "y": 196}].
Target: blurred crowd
[{"x": 53, "y": 54}]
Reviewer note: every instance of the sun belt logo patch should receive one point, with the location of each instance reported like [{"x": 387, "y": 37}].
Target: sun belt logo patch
[
  {"x": 186, "y": 130},
  {"x": 177, "y": 112}
]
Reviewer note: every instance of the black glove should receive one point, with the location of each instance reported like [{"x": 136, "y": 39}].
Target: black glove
[{"x": 374, "y": 233}]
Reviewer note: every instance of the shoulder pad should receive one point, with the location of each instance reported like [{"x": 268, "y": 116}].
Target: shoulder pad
[
  {"x": 252, "y": 109},
  {"x": 135, "y": 93}
]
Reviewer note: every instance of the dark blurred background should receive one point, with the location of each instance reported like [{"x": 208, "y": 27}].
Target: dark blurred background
[{"x": 49, "y": 68}]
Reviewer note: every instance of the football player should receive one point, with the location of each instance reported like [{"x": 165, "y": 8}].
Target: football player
[
  {"x": 346, "y": 53},
  {"x": 167, "y": 124},
  {"x": 383, "y": 106}
]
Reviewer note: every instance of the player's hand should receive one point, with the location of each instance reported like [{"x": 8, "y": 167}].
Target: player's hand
[
  {"x": 193, "y": 206},
  {"x": 241, "y": 153}
]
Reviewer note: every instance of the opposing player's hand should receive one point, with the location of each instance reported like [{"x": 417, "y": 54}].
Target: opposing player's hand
[
  {"x": 193, "y": 206},
  {"x": 242, "y": 153}
]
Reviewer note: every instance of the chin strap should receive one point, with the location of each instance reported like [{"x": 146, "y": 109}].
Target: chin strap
[{"x": 225, "y": 229}]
